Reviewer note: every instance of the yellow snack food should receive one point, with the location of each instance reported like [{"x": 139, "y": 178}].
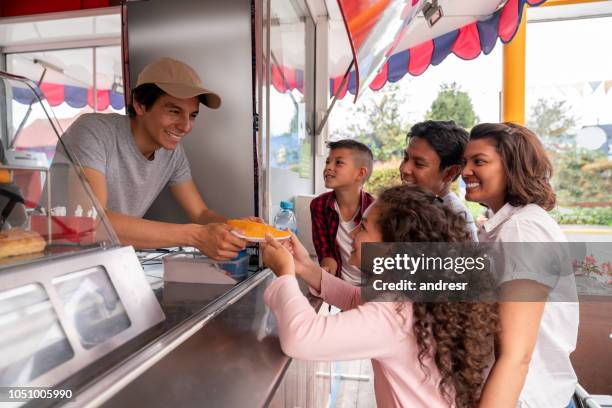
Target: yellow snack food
[{"x": 256, "y": 230}]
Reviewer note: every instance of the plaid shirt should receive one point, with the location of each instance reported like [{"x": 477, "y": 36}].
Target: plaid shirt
[{"x": 325, "y": 221}]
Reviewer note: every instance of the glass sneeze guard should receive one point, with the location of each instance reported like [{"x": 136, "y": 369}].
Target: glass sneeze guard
[
  {"x": 46, "y": 207},
  {"x": 70, "y": 294}
]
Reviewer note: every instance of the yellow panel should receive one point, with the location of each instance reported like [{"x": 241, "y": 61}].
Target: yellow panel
[
  {"x": 513, "y": 88},
  {"x": 568, "y": 2}
]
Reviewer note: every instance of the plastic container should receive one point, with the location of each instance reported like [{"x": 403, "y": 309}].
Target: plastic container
[
  {"x": 238, "y": 268},
  {"x": 65, "y": 229},
  {"x": 285, "y": 218}
]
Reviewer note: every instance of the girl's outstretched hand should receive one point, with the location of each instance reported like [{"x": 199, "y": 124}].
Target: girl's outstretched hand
[
  {"x": 301, "y": 257},
  {"x": 277, "y": 257}
]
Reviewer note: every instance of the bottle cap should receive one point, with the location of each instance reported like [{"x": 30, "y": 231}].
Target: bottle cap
[{"x": 286, "y": 205}]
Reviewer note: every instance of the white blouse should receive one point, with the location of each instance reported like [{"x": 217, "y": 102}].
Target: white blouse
[{"x": 551, "y": 379}]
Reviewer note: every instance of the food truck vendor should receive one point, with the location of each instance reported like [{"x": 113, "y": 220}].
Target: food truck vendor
[{"x": 129, "y": 159}]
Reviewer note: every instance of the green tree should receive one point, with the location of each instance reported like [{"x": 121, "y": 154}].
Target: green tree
[
  {"x": 382, "y": 128},
  {"x": 576, "y": 179},
  {"x": 551, "y": 118},
  {"x": 383, "y": 178},
  {"x": 453, "y": 104}
]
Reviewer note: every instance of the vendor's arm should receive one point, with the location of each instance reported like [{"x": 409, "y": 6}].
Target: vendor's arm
[
  {"x": 520, "y": 324},
  {"x": 214, "y": 240},
  {"x": 189, "y": 198}
]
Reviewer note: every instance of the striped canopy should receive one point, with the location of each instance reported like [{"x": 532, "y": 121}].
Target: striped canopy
[
  {"x": 75, "y": 96},
  {"x": 413, "y": 54}
]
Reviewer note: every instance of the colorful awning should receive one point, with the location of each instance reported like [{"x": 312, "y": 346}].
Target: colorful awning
[
  {"x": 286, "y": 78},
  {"x": 75, "y": 96},
  {"x": 466, "y": 42},
  {"x": 374, "y": 29}
]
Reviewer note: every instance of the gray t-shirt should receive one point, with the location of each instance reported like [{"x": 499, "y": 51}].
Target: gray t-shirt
[
  {"x": 104, "y": 142},
  {"x": 457, "y": 206}
]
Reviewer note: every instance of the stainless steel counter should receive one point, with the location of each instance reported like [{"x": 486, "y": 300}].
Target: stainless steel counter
[{"x": 217, "y": 348}]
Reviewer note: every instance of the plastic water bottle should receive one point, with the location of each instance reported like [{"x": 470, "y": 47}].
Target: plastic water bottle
[{"x": 285, "y": 218}]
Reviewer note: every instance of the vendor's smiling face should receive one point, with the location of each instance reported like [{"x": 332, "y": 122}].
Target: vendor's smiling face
[{"x": 168, "y": 120}]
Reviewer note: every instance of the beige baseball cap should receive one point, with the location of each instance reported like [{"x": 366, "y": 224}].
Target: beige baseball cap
[{"x": 179, "y": 80}]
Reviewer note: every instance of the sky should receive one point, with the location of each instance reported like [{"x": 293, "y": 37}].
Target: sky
[{"x": 571, "y": 60}]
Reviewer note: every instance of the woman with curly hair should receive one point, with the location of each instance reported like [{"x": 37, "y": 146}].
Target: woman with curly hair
[
  {"x": 423, "y": 354},
  {"x": 507, "y": 170}
]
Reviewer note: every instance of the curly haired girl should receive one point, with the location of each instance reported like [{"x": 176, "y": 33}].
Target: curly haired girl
[{"x": 423, "y": 354}]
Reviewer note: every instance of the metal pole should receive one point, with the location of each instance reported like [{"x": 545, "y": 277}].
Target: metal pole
[
  {"x": 324, "y": 120},
  {"x": 28, "y": 112},
  {"x": 48, "y": 187},
  {"x": 95, "y": 80}
]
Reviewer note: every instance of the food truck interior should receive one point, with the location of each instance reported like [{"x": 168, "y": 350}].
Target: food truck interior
[{"x": 108, "y": 325}]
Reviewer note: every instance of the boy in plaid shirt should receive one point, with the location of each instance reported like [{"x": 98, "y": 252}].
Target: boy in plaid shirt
[{"x": 337, "y": 213}]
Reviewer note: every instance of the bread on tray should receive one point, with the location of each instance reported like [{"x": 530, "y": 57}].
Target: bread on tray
[{"x": 20, "y": 242}]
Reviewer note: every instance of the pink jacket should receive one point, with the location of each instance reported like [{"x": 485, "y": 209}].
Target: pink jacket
[{"x": 371, "y": 330}]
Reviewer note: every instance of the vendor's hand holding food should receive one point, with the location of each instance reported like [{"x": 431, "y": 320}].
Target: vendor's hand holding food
[
  {"x": 217, "y": 241},
  {"x": 253, "y": 219}
]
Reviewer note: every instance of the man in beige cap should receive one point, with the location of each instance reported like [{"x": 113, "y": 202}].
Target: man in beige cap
[{"x": 128, "y": 160}]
